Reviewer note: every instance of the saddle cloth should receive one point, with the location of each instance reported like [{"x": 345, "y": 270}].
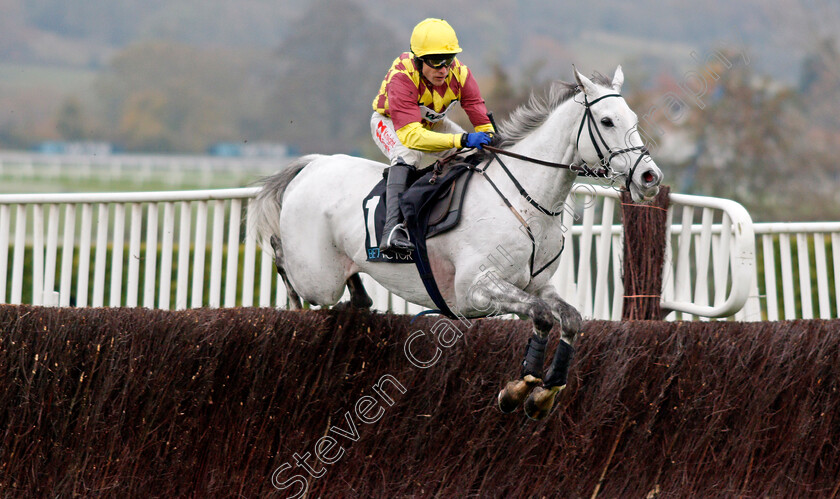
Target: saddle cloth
[{"x": 446, "y": 194}]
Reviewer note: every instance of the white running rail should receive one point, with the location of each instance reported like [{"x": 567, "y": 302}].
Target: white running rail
[
  {"x": 172, "y": 254},
  {"x": 171, "y": 250},
  {"x": 725, "y": 253},
  {"x": 787, "y": 290}
]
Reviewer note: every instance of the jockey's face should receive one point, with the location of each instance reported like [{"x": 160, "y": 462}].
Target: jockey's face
[{"x": 435, "y": 76}]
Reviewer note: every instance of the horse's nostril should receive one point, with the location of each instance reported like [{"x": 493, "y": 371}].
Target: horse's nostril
[{"x": 647, "y": 177}]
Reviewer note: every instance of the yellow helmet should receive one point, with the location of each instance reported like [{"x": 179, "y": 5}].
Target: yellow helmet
[{"x": 434, "y": 36}]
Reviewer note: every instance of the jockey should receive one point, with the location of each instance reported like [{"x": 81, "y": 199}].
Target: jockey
[{"x": 409, "y": 122}]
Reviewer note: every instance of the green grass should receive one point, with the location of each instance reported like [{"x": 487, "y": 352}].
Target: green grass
[
  {"x": 43, "y": 178},
  {"x": 17, "y": 77},
  {"x": 16, "y": 184}
]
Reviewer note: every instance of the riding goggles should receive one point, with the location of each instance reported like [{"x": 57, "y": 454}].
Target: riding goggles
[{"x": 437, "y": 61}]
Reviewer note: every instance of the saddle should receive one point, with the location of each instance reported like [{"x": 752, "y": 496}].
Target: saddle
[{"x": 438, "y": 190}]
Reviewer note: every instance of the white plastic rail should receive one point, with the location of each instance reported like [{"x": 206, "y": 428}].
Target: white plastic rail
[
  {"x": 589, "y": 274},
  {"x": 728, "y": 245}
]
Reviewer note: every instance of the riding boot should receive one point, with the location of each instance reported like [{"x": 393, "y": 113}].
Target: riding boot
[{"x": 394, "y": 235}]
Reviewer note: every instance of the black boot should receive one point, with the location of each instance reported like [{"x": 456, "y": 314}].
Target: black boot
[
  {"x": 394, "y": 236},
  {"x": 559, "y": 369},
  {"x": 534, "y": 357}
]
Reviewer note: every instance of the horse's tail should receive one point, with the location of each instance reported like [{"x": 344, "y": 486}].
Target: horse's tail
[
  {"x": 264, "y": 210},
  {"x": 264, "y": 217}
]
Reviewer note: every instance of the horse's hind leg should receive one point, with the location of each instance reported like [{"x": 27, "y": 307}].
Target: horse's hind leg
[
  {"x": 358, "y": 296},
  {"x": 294, "y": 299}
]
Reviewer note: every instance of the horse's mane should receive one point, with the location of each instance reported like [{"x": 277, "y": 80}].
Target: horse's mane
[{"x": 527, "y": 117}]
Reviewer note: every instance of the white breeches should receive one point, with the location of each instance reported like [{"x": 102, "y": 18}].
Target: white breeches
[{"x": 384, "y": 135}]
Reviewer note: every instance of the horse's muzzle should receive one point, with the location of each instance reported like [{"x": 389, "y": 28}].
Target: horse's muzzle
[{"x": 646, "y": 182}]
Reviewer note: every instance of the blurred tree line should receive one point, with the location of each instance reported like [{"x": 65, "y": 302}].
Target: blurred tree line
[
  {"x": 749, "y": 138},
  {"x": 763, "y": 143},
  {"x": 313, "y": 92}
]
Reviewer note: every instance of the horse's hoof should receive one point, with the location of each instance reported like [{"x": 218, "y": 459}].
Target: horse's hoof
[
  {"x": 540, "y": 402},
  {"x": 515, "y": 392}
]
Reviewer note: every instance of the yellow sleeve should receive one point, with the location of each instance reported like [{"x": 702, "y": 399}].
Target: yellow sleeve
[
  {"x": 487, "y": 127},
  {"x": 414, "y": 136}
]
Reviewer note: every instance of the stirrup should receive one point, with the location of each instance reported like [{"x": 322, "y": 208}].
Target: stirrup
[{"x": 396, "y": 243}]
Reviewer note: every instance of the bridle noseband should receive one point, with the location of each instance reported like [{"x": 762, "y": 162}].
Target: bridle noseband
[{"x": 592, "y": 125}]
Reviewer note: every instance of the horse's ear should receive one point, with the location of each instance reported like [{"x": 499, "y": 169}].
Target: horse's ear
[
  {"x": 618, "y": 79},
  {"x": 584, "y": 82}
]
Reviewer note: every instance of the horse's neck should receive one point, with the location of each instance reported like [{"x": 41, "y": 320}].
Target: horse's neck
[{"x": 552, "y": 141}]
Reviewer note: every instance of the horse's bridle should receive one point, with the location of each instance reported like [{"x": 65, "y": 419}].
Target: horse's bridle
[
  {"x": 603, "y": 171},
  {"x": 589, "y": 120}
]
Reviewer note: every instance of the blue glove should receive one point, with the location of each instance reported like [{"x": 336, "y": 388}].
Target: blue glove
[{"x": 476, "y": 139}]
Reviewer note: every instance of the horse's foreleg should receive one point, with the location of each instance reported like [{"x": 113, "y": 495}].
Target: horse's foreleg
[
  {"x": 506, "y": 298},
  {"x": 570, "y": 324},
  {"x": 541, "y": 400}
]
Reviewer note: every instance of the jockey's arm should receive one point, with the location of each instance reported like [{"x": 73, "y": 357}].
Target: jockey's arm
[
  {"x": 473, "y": 104},
  {"x": 415, "y": 136},
  {"x": 403, "y": 101},
  {"x": 488, "y": 127}
]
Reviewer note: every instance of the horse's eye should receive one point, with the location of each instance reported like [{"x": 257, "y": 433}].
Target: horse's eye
[{"x": 607, "y": 122}]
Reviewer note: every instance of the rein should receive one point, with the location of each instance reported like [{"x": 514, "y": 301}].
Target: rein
[
  {"x": 603, "y": 172},
  {"x": 482, "y": 171},
  {"x": 579, "y": 169}
]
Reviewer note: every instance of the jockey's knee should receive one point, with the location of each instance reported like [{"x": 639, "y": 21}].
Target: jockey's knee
[{"x": 407, "y": 157}]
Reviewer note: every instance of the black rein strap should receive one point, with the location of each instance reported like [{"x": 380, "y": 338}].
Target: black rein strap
[{"x": 579, "y": 169}]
